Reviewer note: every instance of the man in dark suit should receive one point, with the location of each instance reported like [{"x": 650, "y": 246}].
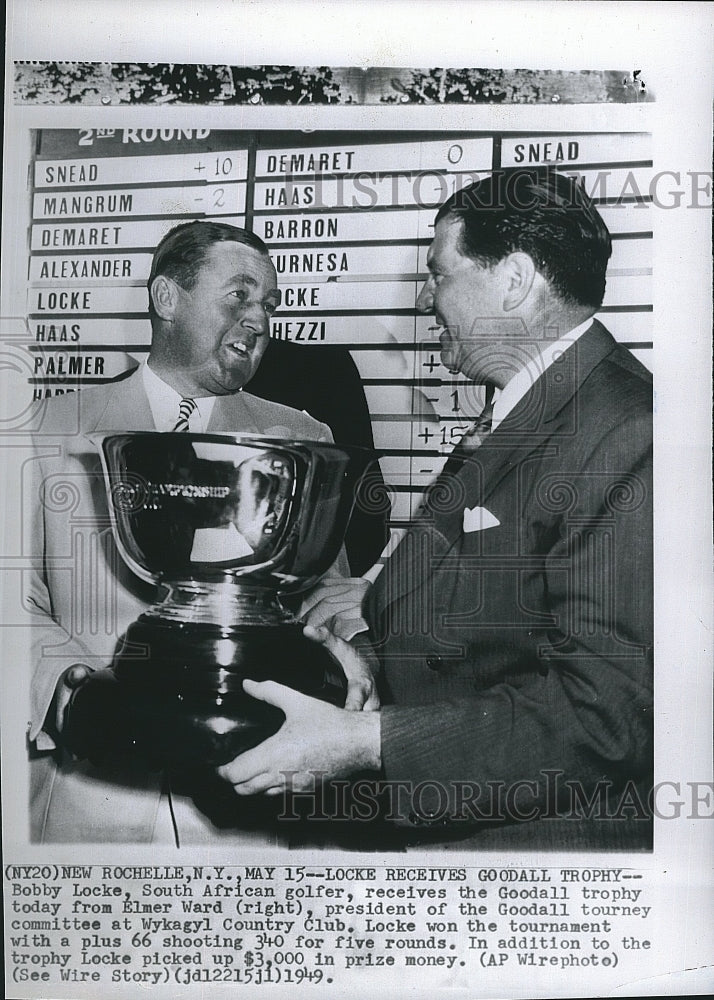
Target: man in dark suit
[{"x": 514, "y": 621}]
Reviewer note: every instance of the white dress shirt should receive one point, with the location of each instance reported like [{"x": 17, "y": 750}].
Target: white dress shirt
[{"x": 164, "y": 402}]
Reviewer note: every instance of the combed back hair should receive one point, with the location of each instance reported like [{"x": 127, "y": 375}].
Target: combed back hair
[
  {"x": 543, "y": 213},
  {"x": 182, "y": 252}
]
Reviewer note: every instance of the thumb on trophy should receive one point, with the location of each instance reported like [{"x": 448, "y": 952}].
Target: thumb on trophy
[
  {"x": 71, "y": 679},
  {"x": 337, "y": 602},
  {"x": 362, "y": 693},
  {"x": 279, "y": 695}
]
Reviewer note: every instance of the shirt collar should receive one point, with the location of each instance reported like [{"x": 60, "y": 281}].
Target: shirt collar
[
  {"x": 164, "y": 402},
  {"x": 522, "y": 381}
]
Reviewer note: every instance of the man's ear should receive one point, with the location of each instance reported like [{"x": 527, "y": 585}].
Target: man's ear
[
  {"x": 519, "y": 273},
  {"x": 164, "y": 296}
]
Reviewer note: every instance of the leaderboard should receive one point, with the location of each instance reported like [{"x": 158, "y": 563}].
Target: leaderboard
[{"x": 348, "y": 219}]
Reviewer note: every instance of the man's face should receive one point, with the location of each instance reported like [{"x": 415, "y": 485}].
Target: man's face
[
  {"x": 220, "y": 327},
  {"x": 467, "y": 301}
]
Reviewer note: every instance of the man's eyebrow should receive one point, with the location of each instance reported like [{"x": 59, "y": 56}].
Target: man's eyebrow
[{"x": 247, "y": 279}]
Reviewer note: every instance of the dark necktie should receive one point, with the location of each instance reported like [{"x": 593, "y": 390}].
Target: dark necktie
[
  {"x": 186, "y": 408},
  {"x": 415, "y": 547},
  {"x": 472, "y": 439}
]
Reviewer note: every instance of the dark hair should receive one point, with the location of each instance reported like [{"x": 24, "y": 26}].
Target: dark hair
[
  {"x": 182, "y": 252},
  {"x": 543, "y": 213}
]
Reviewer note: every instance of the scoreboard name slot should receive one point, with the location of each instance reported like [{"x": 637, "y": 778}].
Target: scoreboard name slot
[
  {"x": 76, "y": 236},
  {"x": 203, "y": 168},
  {"x": 140, "y": 235},
  {"x": 65, "y": 174},
  {"x": 81, "y": 268},
  {"x": 115, "y": 203},
  {"x": 57, "y": 333},
  {"x": 381, "y": 260},
  {"x": 227, "y": 198},
  {"x": 426, "y": 189},
  {"x": 347, "y": 227},
  {"x": 71, "y": 365},
  {"x": 112, "y": 334},
  {"x": 300, "y": 228},
  {"x": 303, "y": 331},
  {"x": 594, "y": 148},
  {"x": 64, "y": 301},
  {"x": 545, "y": 152},
  {"x": 449, "y": 154},
  {"x": 310, "y": 162}
]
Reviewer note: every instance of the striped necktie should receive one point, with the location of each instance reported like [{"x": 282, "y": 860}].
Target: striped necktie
[{"x": 186, "y": 408}]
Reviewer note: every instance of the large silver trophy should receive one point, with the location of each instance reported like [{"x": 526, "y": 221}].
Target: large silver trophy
[{"x": 223, "y": 524}]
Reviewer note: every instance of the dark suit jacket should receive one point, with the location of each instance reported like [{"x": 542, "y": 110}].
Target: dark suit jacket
[
  {"x": 324, "y": 381},
  {"x": 524, "y": 648}
]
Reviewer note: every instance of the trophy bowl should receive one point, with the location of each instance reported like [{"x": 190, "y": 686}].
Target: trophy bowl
[{"x": 225, "y": 525}]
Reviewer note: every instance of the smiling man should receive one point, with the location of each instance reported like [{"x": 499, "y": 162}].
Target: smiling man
[
  {"x": 212, "y": 291},
  {"x": 514, "y": 620}
]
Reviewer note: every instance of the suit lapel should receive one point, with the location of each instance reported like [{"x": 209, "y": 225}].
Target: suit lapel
[
  {"x": 127, "y": 407},
  {"x": 122, "y": 406},
  {"x": 542, "y": 413},
  {"x": 238, "y": 414},
  {"x": 528, "y": 427}
]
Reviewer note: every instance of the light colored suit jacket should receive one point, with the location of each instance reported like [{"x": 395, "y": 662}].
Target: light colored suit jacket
[{"x": 81, "y": 593}]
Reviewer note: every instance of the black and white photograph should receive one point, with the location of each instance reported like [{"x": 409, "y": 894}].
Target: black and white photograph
[{"x": 356, "y": 451}]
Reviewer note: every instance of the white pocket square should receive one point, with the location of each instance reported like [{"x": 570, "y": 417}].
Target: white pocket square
[{"x": 478, "y": 518}]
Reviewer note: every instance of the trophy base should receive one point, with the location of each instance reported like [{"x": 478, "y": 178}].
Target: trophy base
[{"x": 173, "y": 697}]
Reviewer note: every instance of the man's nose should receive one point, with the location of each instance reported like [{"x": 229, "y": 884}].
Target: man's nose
[
  {"x": 425, "y": 300},
  {"x": 254, "y": 319}
]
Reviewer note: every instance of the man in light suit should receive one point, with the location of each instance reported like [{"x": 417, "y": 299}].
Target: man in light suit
[
  {"x": 212, "y": 290},
  {"x": 514, "y": 620}
]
